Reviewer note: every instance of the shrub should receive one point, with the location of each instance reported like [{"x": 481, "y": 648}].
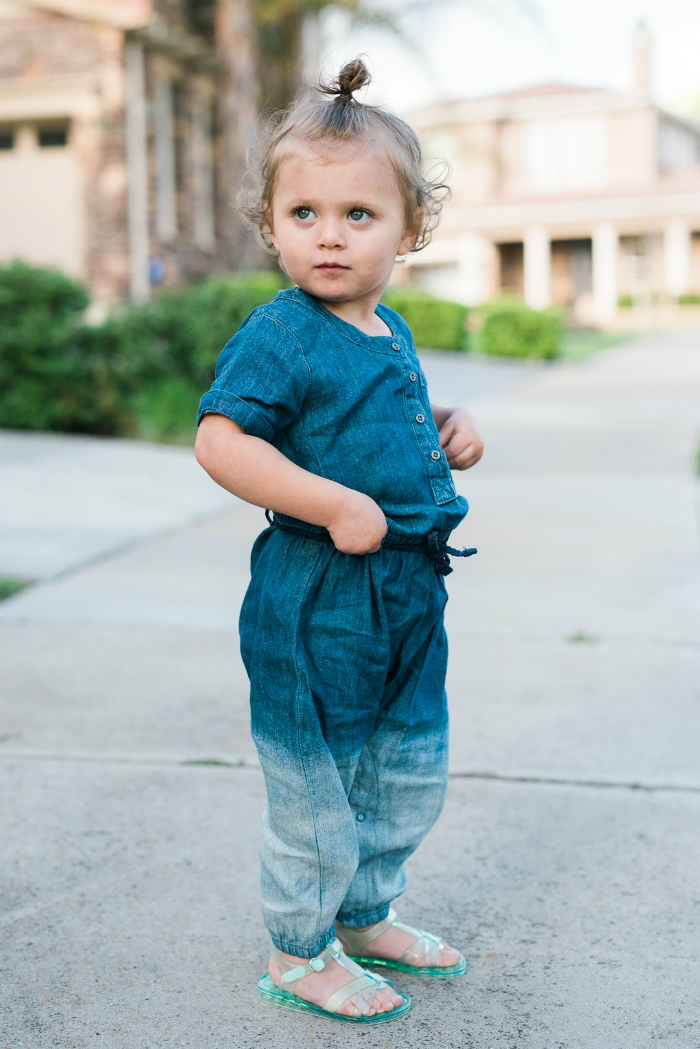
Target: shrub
[
  {"x": 625, "y": 301},
  {"x": 56, "y": 373},
  {"x": 512, "y": 329},
  {"x": 437, "y": 324},
  {"x": 173, "y": 343},
  {"x": 691, "y": 299},
  {"x": 141, "y": 373},
  {"x": 166, "y": 410},
  {"x": 184, "y": 330}
]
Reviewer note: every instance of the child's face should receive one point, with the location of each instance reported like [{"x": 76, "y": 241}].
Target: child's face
[{"x": 338, "y": 221}]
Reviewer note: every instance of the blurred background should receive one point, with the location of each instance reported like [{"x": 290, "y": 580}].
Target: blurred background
[{"x": 572, "y": 135}]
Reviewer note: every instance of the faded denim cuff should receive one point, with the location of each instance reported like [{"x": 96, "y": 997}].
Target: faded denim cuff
[
  {"x": 242, "y": 412},
  {"x": 297, "y": 950},
  {"x": 361, "y": 921}
]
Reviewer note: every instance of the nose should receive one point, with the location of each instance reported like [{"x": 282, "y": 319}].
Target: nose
[{"x": 330, "y": 234}]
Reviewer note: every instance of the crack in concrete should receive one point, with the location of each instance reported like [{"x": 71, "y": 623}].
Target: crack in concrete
[
  {"x": 563, "y": 781},
  {"x": 236, "y": 762}
]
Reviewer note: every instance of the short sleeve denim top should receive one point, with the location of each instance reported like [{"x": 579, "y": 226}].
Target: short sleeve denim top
[{"x": 344, "y": 405}]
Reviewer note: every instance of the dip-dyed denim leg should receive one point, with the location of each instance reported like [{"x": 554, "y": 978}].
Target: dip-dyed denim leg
[{"x": 346, "y": 657}]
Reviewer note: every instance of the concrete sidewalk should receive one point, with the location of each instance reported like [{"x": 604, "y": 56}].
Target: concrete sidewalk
[{"x": 566, "y": 861}]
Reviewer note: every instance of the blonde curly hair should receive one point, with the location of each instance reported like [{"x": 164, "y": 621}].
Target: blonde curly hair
[{"x": 340, "y": 121}]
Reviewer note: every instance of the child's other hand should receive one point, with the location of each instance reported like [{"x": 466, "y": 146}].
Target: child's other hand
[
  {"x": 460, "y": 439},
  {"x": 358, "y": 526}
]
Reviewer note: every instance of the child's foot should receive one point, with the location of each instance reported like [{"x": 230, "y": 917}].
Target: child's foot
[
  {"x": 318, "y": 987},
  {"x": 394, "y": 942}
]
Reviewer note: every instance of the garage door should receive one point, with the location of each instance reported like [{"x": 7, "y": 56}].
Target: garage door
[{"x": 42, "y": 218}]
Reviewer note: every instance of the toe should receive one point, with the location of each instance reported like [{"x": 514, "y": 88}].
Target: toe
[
  {"x": 393, "y": 995},
  {"x": 449, "y": 957},
  {"x": 348, "y": 1007},
  {"x": 382, "y": 1002}
]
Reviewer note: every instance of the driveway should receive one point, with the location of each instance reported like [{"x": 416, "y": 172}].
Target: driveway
[{"x": 565, "y": 864}]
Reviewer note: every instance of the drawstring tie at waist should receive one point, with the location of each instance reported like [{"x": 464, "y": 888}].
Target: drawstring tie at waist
[{"x": 431, "y": 544}]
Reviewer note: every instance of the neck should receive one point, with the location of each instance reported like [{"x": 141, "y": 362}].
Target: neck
[{"x": 361, "y": 313}]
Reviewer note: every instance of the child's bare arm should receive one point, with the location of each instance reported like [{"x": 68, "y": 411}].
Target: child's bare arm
[
  {"x": 459, "y": 437},
  {"x": 258, "y": 473}
]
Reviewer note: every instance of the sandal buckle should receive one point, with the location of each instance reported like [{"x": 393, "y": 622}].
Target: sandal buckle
[{"x": 317, "y": 964}]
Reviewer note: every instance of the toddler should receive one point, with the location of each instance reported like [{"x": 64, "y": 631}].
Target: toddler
[{"x": 319, "y": 412}]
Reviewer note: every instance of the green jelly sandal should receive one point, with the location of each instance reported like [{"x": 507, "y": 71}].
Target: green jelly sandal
[
  {"x": 364, "y": 986},
  {"x": 426, "y": 946}
]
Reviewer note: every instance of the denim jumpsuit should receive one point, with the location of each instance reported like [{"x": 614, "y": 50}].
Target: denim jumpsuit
[{"x": 346, "y": 653}]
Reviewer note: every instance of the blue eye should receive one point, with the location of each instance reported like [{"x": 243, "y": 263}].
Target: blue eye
[
  {"x": 358, "y": 215},
  {"x": 304, "y": 213}
]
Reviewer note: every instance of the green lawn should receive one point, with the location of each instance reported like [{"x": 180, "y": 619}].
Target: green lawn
[
  {"x": 578, "y": 343},
  {"x": 8, "y": 587}
]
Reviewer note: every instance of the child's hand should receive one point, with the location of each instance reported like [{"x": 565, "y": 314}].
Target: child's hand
[
  {"x": 459, "y": 437},
  {"x": 358, "y": 526}
]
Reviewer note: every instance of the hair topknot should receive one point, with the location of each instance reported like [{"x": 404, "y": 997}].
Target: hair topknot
[
  {"x": 353, "y": 76},
  {"x": 338, "y": 123}
]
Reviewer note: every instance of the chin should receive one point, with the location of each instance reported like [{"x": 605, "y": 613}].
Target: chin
[{"x": 329, "y": 288}]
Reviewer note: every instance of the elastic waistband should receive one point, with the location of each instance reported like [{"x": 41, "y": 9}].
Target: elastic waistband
[{"x": 431, "y": 544}]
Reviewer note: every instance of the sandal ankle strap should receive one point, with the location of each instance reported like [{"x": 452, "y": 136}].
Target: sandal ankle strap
[
  {"x": 425, "y": 946},
  {"x": 292, "y": 972},
  {"x": 356, "y": 940}
]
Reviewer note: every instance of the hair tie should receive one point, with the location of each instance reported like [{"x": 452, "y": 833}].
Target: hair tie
[{"x": 348, "y": 98}]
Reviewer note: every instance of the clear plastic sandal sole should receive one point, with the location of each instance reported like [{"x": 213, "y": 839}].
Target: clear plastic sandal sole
[
  {"x": 269, "y": 992},
  {"x": 437, "y": 972}
]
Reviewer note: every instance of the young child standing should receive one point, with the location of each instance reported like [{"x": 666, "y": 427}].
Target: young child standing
[{"x": 320, "y": 413}]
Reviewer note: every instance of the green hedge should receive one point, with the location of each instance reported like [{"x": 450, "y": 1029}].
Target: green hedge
[
  {"x": 512, "y": 329},
  {"x": 437, "y": 324},
  {"x": 141, "y": 373},
  {"x": 44, "y": 380}
]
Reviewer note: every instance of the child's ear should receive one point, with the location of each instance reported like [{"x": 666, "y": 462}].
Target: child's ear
[
  {"x": 271, "y": 230},
  {"x": 410, "y": 235},
  {"x": 408, "y": 242}
]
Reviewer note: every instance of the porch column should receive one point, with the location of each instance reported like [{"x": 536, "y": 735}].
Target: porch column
[
  {"x": 166, "y": 213},
  {"x": 137, "y": 165},
  {"x": 537, "y": 264},
  {"x": 474, "y": 255},
  {"x": 677, "y": 257},
  {"x": 605, "y": 264},
  {"x": 203, "y": 164}
]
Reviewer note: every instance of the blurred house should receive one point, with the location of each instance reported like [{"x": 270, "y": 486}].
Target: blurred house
[
  {"x": 580, "y": 197},
  {"x": 106, "y": 141}
]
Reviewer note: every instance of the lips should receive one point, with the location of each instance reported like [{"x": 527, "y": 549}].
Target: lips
[{"x": 332, "y": 267}]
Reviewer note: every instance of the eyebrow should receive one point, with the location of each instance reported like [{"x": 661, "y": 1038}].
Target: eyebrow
[{"x": 308, "y": 202}]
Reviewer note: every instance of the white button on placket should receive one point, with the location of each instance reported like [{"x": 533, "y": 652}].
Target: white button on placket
[
  {"x": 435, "y": 455},
  {"x": 420, "y": 418},
  {"x": 412, "y": 376}
]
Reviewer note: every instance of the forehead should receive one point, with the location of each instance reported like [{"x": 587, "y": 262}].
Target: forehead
[{"x": 334, "y": 170}]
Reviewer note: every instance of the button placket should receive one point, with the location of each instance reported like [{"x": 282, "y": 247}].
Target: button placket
[{"x": 425, "y": 438}]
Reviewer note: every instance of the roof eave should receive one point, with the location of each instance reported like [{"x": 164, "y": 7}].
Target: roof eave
[{"x": 120, "y": 14}]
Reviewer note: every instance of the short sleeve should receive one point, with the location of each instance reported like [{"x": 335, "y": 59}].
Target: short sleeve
[{"x": 261, "y": 379}]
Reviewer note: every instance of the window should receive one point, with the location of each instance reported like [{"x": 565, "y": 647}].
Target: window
[
  {"x": 679, "y": 147},
  {"x": 7, "y": 140},
  {"x": 53, "y": 136},
  {"x": 565, "y": 153}
]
